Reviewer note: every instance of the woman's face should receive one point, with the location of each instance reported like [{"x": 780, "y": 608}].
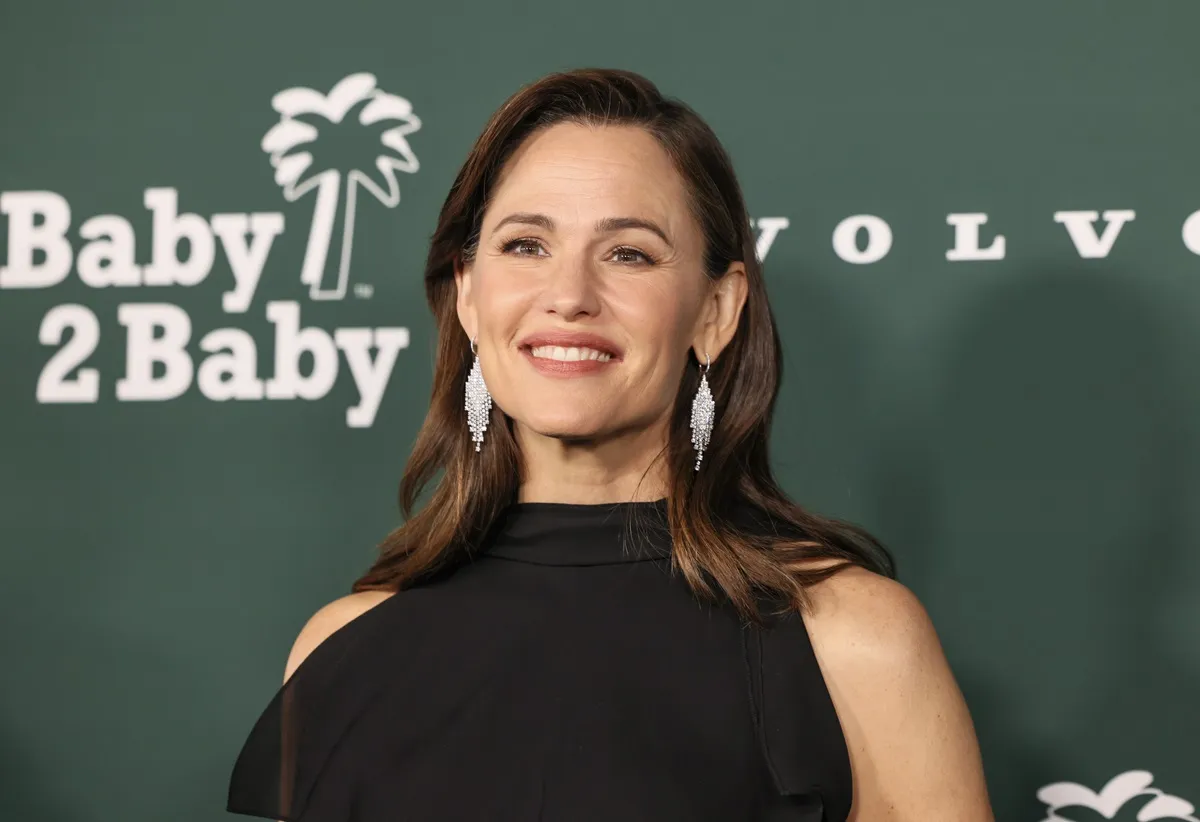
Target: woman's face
[{"x": 587, "y": 289}]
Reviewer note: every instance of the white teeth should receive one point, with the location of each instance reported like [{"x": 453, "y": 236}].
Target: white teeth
[{"x": 557, "y": 352}]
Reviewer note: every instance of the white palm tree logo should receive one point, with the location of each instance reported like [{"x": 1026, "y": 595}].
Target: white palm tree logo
[
  {"x": 292, "y": 143},
  {"x": 1127, "y": 796}
]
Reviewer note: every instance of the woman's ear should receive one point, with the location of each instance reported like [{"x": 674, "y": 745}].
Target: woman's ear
[
  {"x": 465, "y": 303},
  {"x": 721, "y": 312}
]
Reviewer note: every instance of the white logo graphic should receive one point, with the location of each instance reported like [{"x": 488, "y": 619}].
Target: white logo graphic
[
  {"x": 291, "y": 143},
  {"x": 1128, "y": 794},
  {"x": 167, "y": 357}
]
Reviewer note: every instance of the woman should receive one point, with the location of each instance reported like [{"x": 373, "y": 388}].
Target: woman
[{"x": 607, "y": 609}]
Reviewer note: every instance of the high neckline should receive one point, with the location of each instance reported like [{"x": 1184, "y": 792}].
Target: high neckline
[{"x": 562, "y": 533}]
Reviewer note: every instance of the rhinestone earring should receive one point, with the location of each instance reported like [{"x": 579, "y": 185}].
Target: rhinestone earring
[
  {"x": 703, "y": 414},
  {"x": 478, "y": 401}
]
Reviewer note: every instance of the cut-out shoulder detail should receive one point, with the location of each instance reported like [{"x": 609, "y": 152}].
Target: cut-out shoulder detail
[
  {"x": 861, "y": 606},
  {"x": 866, "y": 626},
  {"x": 328, "y": 619},
  {"x": 899, "y": 705}
]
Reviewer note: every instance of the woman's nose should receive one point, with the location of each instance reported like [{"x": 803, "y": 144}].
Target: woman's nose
[{"x": 571, "y": 290}]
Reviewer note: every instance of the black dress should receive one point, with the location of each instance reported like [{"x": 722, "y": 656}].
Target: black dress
[{"x": 561, "y": 674}]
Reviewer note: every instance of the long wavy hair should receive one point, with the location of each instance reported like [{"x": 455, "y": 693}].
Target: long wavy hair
[{"x": 789, "y": 548}]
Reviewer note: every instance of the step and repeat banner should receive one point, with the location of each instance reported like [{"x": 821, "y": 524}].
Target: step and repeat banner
[{"x": 981, "y": 234}]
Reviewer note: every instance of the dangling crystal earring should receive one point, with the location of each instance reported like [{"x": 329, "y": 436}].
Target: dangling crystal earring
[
  {"x": 478, "y": 401},
  {"x": 703, "y": 413}
]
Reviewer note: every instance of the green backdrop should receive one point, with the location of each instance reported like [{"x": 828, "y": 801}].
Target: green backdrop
[{"x": 1019, "y": 420}]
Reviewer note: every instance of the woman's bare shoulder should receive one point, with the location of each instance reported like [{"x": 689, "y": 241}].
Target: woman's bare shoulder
[
  {"x": 911, "y": 740},
  {"x": 869, "y": 611},
  {"x": 326, "y": 620},
  {"x": 873, "y": 636}
]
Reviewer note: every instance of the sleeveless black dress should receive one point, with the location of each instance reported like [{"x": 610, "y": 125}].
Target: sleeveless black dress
[{"x": 561, "y": 674}]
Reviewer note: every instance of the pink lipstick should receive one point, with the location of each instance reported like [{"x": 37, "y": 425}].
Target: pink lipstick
[{"x": 569, "y": 353}]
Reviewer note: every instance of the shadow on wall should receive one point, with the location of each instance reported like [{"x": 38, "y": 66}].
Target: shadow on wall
[
  {"x": 27, "y": 792},
  {"x": 1052, "y": 502},
  {"x": 107, "y": 720},
  {"x": 821, "y": 433}
]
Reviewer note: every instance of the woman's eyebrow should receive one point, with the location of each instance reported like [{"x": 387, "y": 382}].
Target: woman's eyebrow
[
  {"x": 604, "y": 226},
  {"x": 525, "y": 218},
  {"x": 609, "y": 224}
]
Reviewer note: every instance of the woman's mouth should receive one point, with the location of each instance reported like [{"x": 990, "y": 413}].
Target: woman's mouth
[
  {"x": 567, "y": 357},
  {"x": 560, "y": 354}
]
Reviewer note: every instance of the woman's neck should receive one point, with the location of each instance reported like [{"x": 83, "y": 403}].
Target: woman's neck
[{"x": 629, "y": 468}]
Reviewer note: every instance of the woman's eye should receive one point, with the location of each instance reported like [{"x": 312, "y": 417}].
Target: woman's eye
[
  {"x": 526, "y": 247},
  {"x": 631, "y": 255},
  {"x": 523, "y": 248}
]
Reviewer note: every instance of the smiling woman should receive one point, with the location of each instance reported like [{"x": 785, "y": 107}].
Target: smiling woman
[{"x": 586, "y": 620}]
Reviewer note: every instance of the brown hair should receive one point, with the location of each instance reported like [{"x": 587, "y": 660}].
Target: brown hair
[{"x": 713, "y": 546}]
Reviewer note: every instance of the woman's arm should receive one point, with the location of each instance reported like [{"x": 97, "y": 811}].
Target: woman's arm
[{"x": 913, "y": 751}]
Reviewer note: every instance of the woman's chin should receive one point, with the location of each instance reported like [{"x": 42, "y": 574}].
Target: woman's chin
[{"x": 567, "y": 428}]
